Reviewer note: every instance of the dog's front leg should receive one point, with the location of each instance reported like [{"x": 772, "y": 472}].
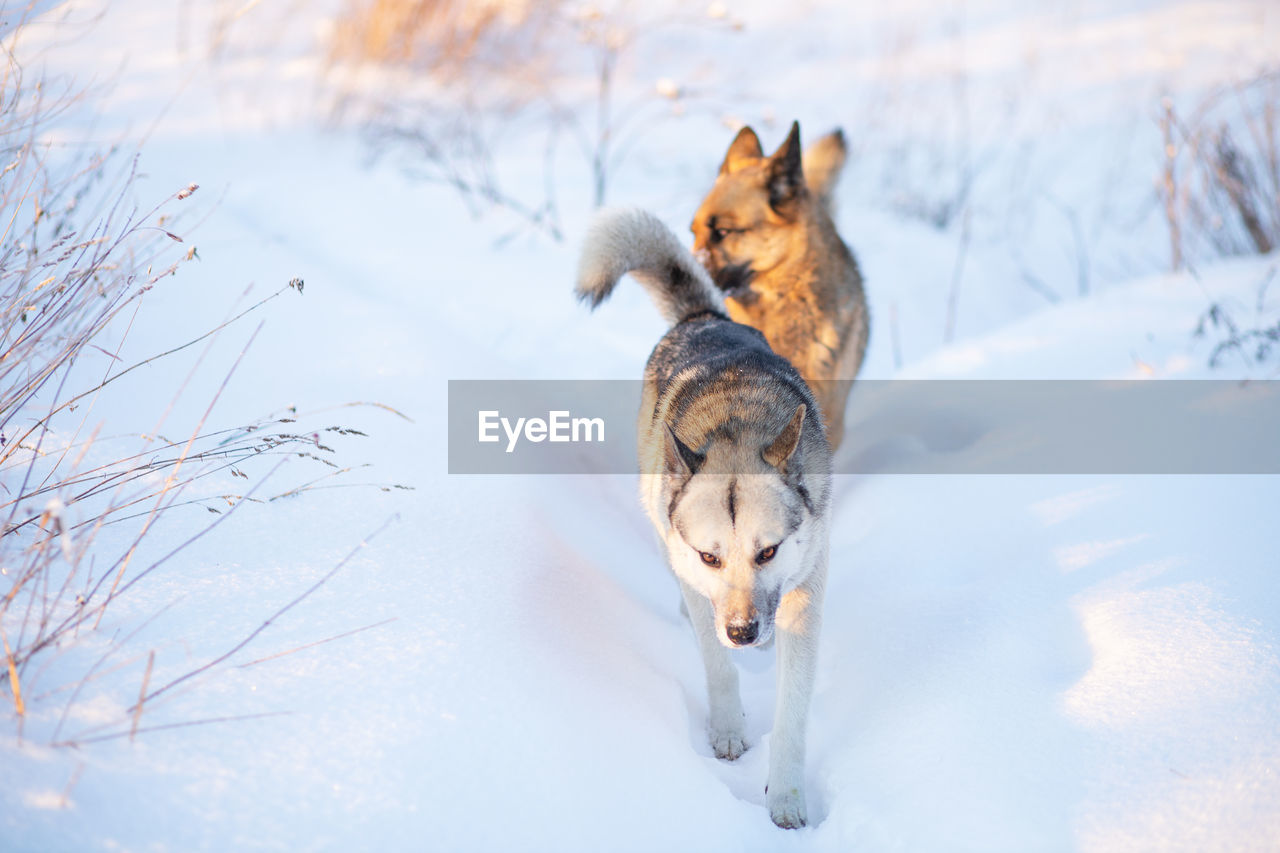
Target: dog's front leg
[
  {"x": 799, "y": 617},
  {"x": 725, "y": 717}
]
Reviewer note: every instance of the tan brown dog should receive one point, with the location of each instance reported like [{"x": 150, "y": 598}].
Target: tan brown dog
[{"x": 766, "y": 236}]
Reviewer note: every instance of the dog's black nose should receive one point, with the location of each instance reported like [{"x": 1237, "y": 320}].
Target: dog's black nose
[{"x": 743, "y": 635}]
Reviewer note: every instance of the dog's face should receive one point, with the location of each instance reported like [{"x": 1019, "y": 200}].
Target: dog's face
[
  {"x": 752, "y": 219},
  {"x": 739, "y": 533},
  {"x": 748, "y": 223}
]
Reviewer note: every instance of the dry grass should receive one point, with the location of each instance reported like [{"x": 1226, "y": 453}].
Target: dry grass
[
  {"x": 448, "y": 81},
  {"x": 449, "y": 38},
  {"x": 1220, "y": 184},
  {"x": 1220, "y": 187},
  {"x": 1253, "y": 342},
  {"x": 76, "y": 259}
]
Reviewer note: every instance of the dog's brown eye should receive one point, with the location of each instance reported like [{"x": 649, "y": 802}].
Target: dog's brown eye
[
  {"x": 767, "y": 554},
  {"x": 710, "y": 559},
  {"x": 720, "y": 233}
]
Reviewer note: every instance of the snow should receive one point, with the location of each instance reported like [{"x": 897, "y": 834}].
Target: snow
[{"x": 1008, "y": 662}]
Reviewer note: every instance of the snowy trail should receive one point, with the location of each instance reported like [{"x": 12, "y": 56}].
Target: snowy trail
[{"x": 1008, "y": 663}]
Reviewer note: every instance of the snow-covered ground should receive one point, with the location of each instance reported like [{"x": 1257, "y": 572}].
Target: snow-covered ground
[{"x": 1009, "y": 663}]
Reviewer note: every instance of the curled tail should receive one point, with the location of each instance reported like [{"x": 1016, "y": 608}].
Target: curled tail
[{"x": 629, "y": 240}]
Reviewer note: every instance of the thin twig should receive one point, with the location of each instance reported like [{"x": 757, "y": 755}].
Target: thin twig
[
  {"x": 124, "y": 564},
  {"x": 957, "y": 273},
  {"x": 266, "y": 624},
  {"x": 19, "y": 708},
  {"x": 167, "y": 726},
  {"x": 316, "y": 643},
  {"x": 142, "y": 694}
]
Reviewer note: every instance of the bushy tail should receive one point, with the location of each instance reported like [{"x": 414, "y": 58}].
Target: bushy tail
[{"x": 629, "y": 240}]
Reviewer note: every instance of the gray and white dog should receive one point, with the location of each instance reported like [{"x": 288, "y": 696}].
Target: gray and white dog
[{"x": 736, "y": 478}]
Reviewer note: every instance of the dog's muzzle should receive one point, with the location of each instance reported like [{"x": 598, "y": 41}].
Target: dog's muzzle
[{"x": 733, "y": 279}]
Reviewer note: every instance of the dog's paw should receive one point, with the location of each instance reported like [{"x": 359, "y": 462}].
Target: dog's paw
[
  {"x": 786, "y": 807},
  {"x": 728, "y": 744}
]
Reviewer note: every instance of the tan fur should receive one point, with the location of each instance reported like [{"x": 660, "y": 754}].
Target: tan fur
[
  {"x": 823, "y": 162},
  {"x": 766, "y": 235}
]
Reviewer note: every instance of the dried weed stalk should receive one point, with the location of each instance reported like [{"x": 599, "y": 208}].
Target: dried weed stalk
[
  {"x": 1220, "y": 183},
  {"x": 76, "y": 258},
  {"x": 450, "y": 82}
]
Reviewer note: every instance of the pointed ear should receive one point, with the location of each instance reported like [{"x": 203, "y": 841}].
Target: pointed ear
[
  {"x": 680, "y": 460},
  {"x": 781, "y": 449},
  {"x": 822, "y": 163},
  {"x": 786, "y": 172},
  {"x": 744, "y": 148}
]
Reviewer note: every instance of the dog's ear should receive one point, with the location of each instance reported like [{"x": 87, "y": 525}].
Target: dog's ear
[
  {"x": 781, "y": 449},
  {"x": 822, "y": 163},
  {"x": 680, "y": 459},
  {"x": 786, "y": 173},
  {"x": 744, "y": 149}
]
